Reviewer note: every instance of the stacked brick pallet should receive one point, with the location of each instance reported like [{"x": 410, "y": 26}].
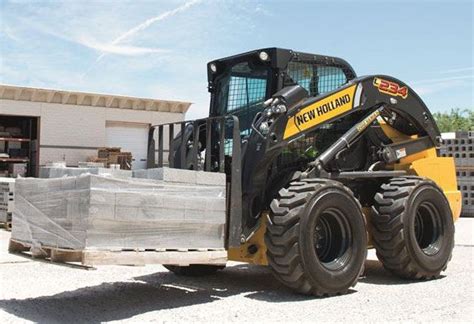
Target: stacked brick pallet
[
  {"x": 7, "y": 196},
  {"x": 112, "y": 220},
  {"x": 460, "y": 146}
]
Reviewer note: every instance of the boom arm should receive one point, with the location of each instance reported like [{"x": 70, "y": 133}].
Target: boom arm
[
  {"x": 411, "y": 116},
  {"x": 400, "y": 106}
]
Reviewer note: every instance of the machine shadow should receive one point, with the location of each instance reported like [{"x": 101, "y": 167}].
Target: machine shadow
[
  {"x": 158, "y": 291},
  {"x": 376, "y": 274},
  {"x": 165, "y": 290}
]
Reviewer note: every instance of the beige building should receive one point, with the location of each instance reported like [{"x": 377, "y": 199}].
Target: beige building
[{"x": 44, "y": 125}]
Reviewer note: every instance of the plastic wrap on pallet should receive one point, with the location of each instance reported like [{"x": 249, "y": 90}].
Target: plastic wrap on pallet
[
  {"x": 99, "y": 212},
  {"x": 170, "y": 175},
  {"x": 53, "y": 172}
]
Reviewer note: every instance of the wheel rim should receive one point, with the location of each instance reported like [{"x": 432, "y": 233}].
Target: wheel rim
[
  {"x": 428, "y": 228},
  {"x": 332, "y": 237}
]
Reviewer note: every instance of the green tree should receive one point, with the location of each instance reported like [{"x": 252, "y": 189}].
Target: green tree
[{"x": 456, "y": 120}]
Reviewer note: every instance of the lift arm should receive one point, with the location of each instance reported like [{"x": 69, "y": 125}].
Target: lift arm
[
  {"x": 409, "y": 114},
  {"x": 288, "y": 117}
]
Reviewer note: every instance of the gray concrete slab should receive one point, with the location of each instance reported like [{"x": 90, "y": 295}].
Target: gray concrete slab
[{"x": 47, "y": 293}]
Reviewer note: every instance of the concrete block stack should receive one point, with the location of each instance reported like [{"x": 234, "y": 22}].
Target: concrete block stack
[
  {"x": 460, "y": 146},
  {"x": 55, "y": 172},
  {"x": 170, "y": 175},
  {"x": 91, "y": 165},
  {"x": 88, "y": 211}
]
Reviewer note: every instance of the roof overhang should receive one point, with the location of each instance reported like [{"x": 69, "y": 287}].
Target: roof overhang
[{"x": 18, "y": 93}]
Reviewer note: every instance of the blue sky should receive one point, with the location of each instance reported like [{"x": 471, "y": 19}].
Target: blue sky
[{"x": 159, "y": 49}]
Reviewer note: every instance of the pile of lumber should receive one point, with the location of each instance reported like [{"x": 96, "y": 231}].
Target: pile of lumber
[{"x": 113, "y": 155}]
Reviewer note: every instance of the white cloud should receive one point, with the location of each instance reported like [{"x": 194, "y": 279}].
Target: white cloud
[
  {"x": 118, "y": 49},
  {"x": 432, "y": 88},
  {"x": 177, "y": 44},
  {"x": 8, "y": 32},
  {"x": 147, "y": 23},
  {"x": 109, "y": 48},
  {"x": 259, "y": 9},
  {"x": 437, "y": 85},
  {"x": 436, "y": 80},
  {"x": 464, "y": 69}
]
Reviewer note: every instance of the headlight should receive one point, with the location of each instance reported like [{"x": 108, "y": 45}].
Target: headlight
[
  {"x": 278, "y": 109},
  {"x": 213, "y": 67},
  {"x": 264, "y": 56},
  {"x": 264, "y": 128}
]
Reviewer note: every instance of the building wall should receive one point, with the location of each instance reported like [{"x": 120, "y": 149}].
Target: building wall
[{"x": 75, "y": 132}]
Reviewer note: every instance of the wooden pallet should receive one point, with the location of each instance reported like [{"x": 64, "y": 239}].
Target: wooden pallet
[
  {"x": 7, "y": 226},
  {"x": 90, "y": 258}
]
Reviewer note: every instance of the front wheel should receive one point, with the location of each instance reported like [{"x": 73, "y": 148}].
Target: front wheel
[{"x": 317, "y": 241}]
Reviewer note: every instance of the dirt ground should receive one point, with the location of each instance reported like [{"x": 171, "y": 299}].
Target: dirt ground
[{"x": 43, "y": 292}]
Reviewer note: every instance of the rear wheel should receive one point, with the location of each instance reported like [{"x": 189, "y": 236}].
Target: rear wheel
[
  {"x": 413, "y": 228},
  {"x": 316, "y": 243},
  {"x": 194, "y": 270}
]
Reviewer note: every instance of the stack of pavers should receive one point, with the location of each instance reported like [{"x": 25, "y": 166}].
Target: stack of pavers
[
  {"x": 460, "y": 146},
  {"x": 164, "y": 209},
  {"x": 7, "y": 201}
]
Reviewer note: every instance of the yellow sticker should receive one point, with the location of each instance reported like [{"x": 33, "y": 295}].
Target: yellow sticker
[
  {"x": 320, "y": 111},
  {"x": 367, "y": 121}
]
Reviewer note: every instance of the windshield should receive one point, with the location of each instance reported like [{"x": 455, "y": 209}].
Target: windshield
[
  {"x": 316, "y": 79},
  {"x": 241, "y": 91}
]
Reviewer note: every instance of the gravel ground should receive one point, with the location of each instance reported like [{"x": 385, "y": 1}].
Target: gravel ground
[{"x": 48, "y": 293}]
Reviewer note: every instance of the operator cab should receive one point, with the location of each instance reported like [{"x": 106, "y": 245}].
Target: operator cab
[{"x": 240, "y": 84}]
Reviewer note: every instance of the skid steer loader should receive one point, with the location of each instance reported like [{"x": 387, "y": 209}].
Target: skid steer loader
[{"x": 321, "y": 165}]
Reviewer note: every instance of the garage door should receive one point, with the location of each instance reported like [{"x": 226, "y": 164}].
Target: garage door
[{"x": 131, "y": 137}]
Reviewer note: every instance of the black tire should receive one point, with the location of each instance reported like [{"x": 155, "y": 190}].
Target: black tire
[
  {"x": 194, "y": 270},
  {"x": 317, "y": 240},
  {"x": 189, "y": 157},
  {"x": 413, "y": 229}
]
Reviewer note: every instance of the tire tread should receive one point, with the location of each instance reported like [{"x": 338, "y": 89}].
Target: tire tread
[
  {"x": 388, "y": 227},
  {"x": 281, "y": 238}
]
